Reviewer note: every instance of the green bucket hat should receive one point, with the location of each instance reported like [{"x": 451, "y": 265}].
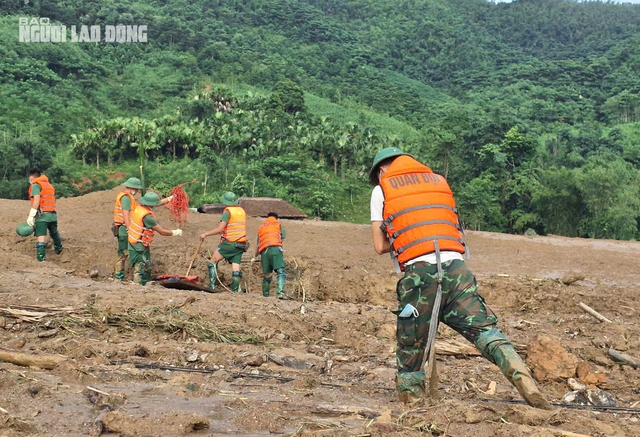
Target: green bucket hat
[
  {"x": 24, "y": 230},
  {"x": 389, "y": 152},
  {"x": 150, "y": 199},
  {"x": 229, "y": 198},
  {"x": 133, "y": 183}
]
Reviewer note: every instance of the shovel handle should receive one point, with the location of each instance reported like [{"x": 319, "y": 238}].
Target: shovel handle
[{"x": 194, "y": 256}]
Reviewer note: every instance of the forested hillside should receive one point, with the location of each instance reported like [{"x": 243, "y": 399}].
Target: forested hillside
[{"x": 531, "y": 109}]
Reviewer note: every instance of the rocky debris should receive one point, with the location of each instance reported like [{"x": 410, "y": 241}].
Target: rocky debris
[
  {"x": 255, "y": 361},
  {"x": 575, "y": 385},
  {"x": 571, "y": 278},
  {"x": 15, "y": 343},
  {"x": 589, "y": 397},
  {"x": 584, "y": 375},
  {"x": 168, "y": 424},
  {"x": 549, "y": 360}
]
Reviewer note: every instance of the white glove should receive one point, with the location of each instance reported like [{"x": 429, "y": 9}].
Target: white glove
[
  {"x": 169, "y": 199},
  {"x": 254, "y": 259},
  {"x": 31, "y": 220},
  {"x": 176, "y": 232}
]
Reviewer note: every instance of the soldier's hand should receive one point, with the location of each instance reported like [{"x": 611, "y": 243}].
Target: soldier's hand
[{"x": 31, "y": 220}]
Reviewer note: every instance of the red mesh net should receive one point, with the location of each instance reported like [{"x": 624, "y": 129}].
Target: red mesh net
[{"x": 179, "y": 205}]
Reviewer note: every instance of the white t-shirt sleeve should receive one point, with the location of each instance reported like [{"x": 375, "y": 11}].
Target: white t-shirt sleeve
[{"x": 377, "y": 204}]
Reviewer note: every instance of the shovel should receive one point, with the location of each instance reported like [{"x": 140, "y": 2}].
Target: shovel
[{"x": 194, "y": 256}]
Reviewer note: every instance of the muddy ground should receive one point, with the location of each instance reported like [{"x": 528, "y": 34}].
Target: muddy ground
[{"x": 321, "y": 363}]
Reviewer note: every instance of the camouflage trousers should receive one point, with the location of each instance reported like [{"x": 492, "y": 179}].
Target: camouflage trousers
[
  {"x": 141, "y": 263},
  {"x": 462, "y": 308}
]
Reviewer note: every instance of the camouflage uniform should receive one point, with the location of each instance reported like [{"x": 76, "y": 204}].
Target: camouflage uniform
[{"x": 465, "y": 311}]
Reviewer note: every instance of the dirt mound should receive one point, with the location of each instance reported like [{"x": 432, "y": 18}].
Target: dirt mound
[
  {"x": 168, "y": 361},
  {"x": 258, "y": 207}
]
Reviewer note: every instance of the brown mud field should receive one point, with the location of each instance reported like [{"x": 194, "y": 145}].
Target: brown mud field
[{"x": 119, "y": 359}]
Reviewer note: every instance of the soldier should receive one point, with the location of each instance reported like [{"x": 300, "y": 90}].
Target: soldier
[
  {"x": 43, "y": 216},
  {"x": 124, "y": 206},
  {"x": 269, "y": 247},
  {"x": 233, "y": 242},
  {"x": 142, "y": 227},
  {"x": 414, "y": 217}
]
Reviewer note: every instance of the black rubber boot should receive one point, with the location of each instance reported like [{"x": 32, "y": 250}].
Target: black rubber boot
[
  {"x": 212, "y": 275},
  {"x": 266, "y": 283},
  {"x": 41, "y": 251}
]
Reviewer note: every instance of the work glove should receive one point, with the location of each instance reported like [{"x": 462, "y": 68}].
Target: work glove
[
  {"x": 254, "y": 259},
  {"x": 169, "y": 199},
  {"x": 31, "y": 220},
  {"x": 176, "y": 232}
]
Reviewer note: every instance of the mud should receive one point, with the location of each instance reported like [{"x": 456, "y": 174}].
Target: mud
[{"x": 320, "y": 364}]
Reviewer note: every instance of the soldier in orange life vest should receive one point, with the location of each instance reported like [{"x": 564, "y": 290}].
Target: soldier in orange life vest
[
  {"x": 414, "y": 218},
  {"x": 43, "y": 216},
  {"x": 233, "y": 243},
  {"x": 142, "y": 227},
  {"x": 125, "y": 205},
  {"x": 270, "y": 236}
]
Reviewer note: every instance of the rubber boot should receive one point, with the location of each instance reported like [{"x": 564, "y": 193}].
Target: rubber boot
[
  {"x": 119, "y": 267},
  {"x": 141, "y": 273},
  {"x": 138, "y": 270},
  {"x": 146, "y": 275},
  {"x": 212, "y": 275},
  {"x": 57, "y": 242},
  {"x": 266, "y": 283},
  {"x": 235, "y": 282},
  {"x": 281, "y": 277},
  {"x": 41, "y": 251},
  {"x": 411, "y": 388},
  {"x": 496, "y": 348}
]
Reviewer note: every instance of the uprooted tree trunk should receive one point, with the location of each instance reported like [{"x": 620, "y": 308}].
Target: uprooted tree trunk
[{"x": 30, "y": 360}]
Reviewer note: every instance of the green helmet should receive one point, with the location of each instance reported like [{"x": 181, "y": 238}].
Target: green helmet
[
  {"x": 229, "y": 198},
  {"x": 389, "y": 152},
  {"x": 133, "y": 183},
  {"x": 150, "y": 199},
  {"x": 24, "y": 230}
]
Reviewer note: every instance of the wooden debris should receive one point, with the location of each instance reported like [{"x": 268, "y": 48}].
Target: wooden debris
[
  {"x": 31, "y": 313},
  {"x": 48, "y": 333},
  {"x": 30, "y": 360},
  {"x": 97, "y": 391},
  {"x": 620, "y": 356},
  {"x": 594, "y": 313},
  {"x": 341, "y": 410},
  {"x": 452, "y": 347}
]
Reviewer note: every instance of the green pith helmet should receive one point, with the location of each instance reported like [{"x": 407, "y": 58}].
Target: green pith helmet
[
  {"x": 24, "y": 230},
  {"x": 150, "y": 199},
  {"x": 133, "y": 183},
  {"x": 389, "y": 152},
  {"x": 229, "y": 198}
]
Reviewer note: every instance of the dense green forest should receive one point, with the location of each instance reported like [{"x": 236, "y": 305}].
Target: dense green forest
[{"x": 531, "y": 109}]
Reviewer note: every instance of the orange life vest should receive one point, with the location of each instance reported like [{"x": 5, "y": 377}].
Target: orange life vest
[
  {"x": 269, "y": 234},
  {"x": 419, "y": 210},
  {"x": 138, "y": 232},
  {"x": 47, "y": 194},
  {"x": 236, "y": 229},
  {"x": 118, "y": 217}
]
